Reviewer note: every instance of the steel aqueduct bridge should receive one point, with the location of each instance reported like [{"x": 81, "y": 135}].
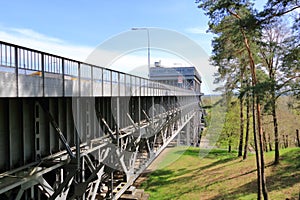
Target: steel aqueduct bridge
[{"x": 72, "y": 130}]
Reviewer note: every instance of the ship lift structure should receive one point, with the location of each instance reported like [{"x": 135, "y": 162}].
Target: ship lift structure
[{"x": 72, "y": 130}]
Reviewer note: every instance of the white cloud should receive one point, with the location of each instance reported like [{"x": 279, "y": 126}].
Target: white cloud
[
  {"x": 126, "y": 63},
  {"x": 34, "y": 35},
  {"x": 135, "y": 61},
  {"x": 38, "y": 41}
]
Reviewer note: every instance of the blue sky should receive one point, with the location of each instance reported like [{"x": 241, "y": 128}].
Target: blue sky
[
  {"x": 75, "y": 28},
  {"x": 88, "y": 23}
]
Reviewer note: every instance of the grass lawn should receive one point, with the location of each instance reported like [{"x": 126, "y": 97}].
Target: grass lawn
[{"x": 221, "y": 175}]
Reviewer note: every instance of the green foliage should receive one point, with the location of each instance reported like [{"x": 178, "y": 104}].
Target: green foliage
[
  {"x": 291, "y": 61},
  {"x": 230, "y": 131},
  {"x": 232, "y": 21},
  {"x": 215, "y": 119},
  {"x": 277, "y": 8},
  {"x": 225, "y": 119},
  {"x": 288, "y": 120}
]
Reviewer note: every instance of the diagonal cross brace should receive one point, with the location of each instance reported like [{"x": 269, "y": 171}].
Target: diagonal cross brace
[
  {"x": 56, "y": 127},
  {"x": 111, "y": 133}
]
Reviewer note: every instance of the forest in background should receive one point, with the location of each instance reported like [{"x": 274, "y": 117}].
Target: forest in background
[
  {"x": 256, "y": 53},
  {"x": 288, "y": 123}
]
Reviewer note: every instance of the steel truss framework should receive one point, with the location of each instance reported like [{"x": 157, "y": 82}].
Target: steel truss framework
[
  {"x": 106, "y": 165},
  {"x": 71, "y": 130}
]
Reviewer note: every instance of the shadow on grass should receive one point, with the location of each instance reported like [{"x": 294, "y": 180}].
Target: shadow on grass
[
  {"x": 166, "y": 178},
  {"x": 284, "y": 175},
  {"x": 162, "y": 177},
  {"x": 222, "y": 155},
  {"x": 216, "y": 163},
  {"x": 214, "y": 154},
  {"x": 158, "y": 177},
  {"x": 209, "y": 153}
]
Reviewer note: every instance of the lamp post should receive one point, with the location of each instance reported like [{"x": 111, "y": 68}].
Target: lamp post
[{"x": 148, "y": 36}]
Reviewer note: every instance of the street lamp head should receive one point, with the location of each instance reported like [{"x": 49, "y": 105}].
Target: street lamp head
[{"x": 135, "y": 28}]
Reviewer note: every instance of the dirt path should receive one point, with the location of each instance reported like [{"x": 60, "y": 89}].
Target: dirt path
[
  {"x": 204, "y": 144},
  {"x": 152, "y": 167}
]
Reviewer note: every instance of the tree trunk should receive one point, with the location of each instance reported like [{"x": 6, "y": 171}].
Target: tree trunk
[
  {"x": 258, "y": 116},
  {"x": 262, "y": 159},
  {"x": 286, "y": 141},
  {"x": 265, "y": 146},
  {"x": 270, "y": 143},
  {"x": 247, "y": 127},
  {"x": 283, "y": 142},
  {"x": 258, "y": 109},
  {"x": 259, "y": 189},
  {"x": 297, "y": 136},
  {"x": 240, "y": 153},
  {"x": 229, "y": 143},
  {"x": 275, "y": 124}
]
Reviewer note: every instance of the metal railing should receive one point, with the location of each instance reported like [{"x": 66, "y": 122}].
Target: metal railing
[{"x": 35, "y": 73}]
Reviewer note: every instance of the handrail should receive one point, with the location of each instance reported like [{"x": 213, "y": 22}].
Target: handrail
[{"x": 42, "y": 64}]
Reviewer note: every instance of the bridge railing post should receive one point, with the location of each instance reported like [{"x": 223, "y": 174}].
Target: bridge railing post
[
  {"x": 43, "y": 73},
  {"x": 17, "y": 69},
  {"x": 63, "y": 77},
  {"x": 92, "y": 81}
]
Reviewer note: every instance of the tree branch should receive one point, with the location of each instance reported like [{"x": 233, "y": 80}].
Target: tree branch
[
  {"x": 286, "y": 91},
  {"x": 234, "y": 14},
  {"x": 287, "y": 81}
]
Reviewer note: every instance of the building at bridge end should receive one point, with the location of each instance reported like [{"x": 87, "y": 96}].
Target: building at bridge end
[{"x": 184, "y": 77}]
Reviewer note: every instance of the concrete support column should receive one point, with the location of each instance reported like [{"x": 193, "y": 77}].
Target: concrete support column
[
  {"x": 195, "y": 130},
  {"x": 188, "y": 133},
  {"x": 15, "y": 130},
  {"x": 178, "y": 139},
  {"x": 28, "y": 130},
  {"x": 54, "y": 142}
]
